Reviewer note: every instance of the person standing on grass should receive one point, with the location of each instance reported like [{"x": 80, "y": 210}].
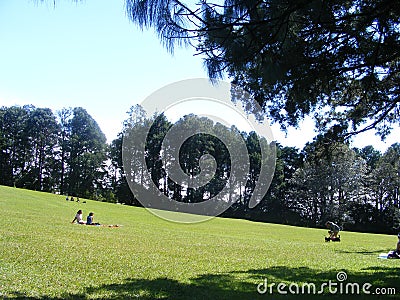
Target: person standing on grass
[
  {"x": 78, "y": 218},
  {"x": 334, "y": 229}
]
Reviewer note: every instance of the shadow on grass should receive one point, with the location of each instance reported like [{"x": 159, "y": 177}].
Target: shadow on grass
[
  {"x": 377, "y": 252},
  {"x": 239, "y": 285}
]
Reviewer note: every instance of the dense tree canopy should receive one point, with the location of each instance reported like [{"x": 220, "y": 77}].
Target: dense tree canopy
[
  {"x": 67, "y": 153},
  {"x": 42, "y": 152},
  {"x": 336, "y": 60}
]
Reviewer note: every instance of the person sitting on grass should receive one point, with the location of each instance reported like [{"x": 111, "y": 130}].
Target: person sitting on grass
[
  {"x": 334, "y": 230},
  {"x": 90, "y": 220},
  {"x": 395, "y": 253},
  {"x": 78, "y": 218}
]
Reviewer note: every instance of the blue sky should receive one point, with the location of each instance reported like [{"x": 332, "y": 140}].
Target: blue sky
[
  {"x": 83, "y": 54},
  {"x": 89, "y": 54}
]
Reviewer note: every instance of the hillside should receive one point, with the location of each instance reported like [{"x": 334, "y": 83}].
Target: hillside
[{"x": 43, "y": 255}]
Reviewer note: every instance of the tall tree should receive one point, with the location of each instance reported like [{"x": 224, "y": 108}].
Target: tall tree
[
  {"x": 132, "y": 166},
  {"x": 370, "y": 155},
  {"x": 42, "y": 130},
  {"x": 15, "y": 145},
  {"x": 87, "y": 146},
  {"x": 385, "y": 179},
  {"x": 335, "y": 60},
  {"x": 328, "y": 183},
  {"x": 274, "y": 207},
  {"x": 117, "y": 176},
  {"x": 64, "y": 117},
  {"x": 378, "y": 210},
  {"x": 6, "y": 177}
]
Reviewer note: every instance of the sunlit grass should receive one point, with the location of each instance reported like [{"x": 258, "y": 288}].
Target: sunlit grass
[{"x": 43, "y": 255}]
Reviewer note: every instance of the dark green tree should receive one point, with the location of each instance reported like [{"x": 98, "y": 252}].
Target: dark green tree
[
  {"x": 254, "y": 153},
  {"x": 194, "y": 155},
  {"x": 133, "y": 166},
  {"x": 15, "y": 145},
  {"x": 335, "y": 60},
  {"x": 64, "y": 118},
  {"x": 385, "y": 188},
  {"x": 154, "y": 142},
  {"x": 274, "y": 207},
  {"x": 378, "y": 210},
  {"x": 42, "y": 131},
  {"x": 329, "y": 181},
  {"x": 6, "y": 177},
  {"x": 370, "y": 155},
  {"x": 117, "y": 178},
  {"x": 87, "y": 146}
]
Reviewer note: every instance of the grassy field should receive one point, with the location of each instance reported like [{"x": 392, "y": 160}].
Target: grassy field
[{"x": 44, "y": 256}]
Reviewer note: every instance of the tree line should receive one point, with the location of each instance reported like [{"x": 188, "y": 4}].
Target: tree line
[
  {"x": 61, "y": 153},
  {"x": 67, "y": 153}
]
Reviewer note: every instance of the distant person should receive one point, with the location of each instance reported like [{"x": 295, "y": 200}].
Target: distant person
[
  {"x": 395, "y": 253},
  {"x": 90, "y": 219},
  {"x": 334, "y": 230},
  {"x": 78, "y": 218},
  {"x": 77, "y": 199},
  {"x": 72, "y": 198},
  {"x": 67, "y": 198}
]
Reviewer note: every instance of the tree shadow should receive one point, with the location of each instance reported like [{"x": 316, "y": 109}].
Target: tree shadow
[
  {"x": 365, "y": 252},
  {"x": 239, "y": 285},
  {"x": 222, "y": 286},
  {"x": 305, "y": 274},
  {"x": 378, "y": 277}
]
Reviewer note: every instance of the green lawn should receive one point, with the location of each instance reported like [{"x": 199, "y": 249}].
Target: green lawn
[{"x": 44, "y": 256}]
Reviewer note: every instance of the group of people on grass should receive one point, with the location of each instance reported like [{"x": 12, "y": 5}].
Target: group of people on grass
[
  {"x": 73, "y": 199},
  {"x": 79, "y": 218},
  {"x": 89, "y": 220},
  {"x": 334, "y": 230}
]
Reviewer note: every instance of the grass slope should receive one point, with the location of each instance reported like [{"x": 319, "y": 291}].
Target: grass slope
[{"x": 43, "y": 255}]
